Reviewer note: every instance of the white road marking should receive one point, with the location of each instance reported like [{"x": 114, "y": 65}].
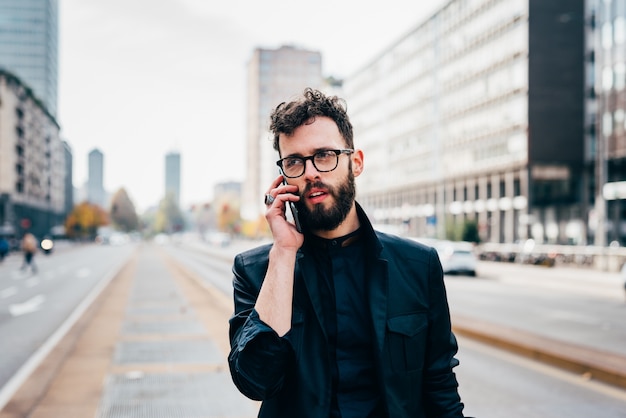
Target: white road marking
[
  {"x": 8, "y": 292},
  {"x": 31, "y": 305}
]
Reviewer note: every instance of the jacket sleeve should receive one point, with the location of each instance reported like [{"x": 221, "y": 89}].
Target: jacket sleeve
[
  {"x": 441, "y": 395},
  {"x": 259, "y": 358}
]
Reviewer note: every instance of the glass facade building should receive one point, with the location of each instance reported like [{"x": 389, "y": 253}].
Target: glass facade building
[
  {"x": 95, "y": 179},
  {"x": 477, "y": 114},
  {"x": 29, "y": 45},
  {"x": 608, "y": 21},
  {"x": 172, "y": 176}
]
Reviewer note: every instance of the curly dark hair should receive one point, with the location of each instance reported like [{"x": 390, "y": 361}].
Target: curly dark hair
[{"x": 286, "y": 117}]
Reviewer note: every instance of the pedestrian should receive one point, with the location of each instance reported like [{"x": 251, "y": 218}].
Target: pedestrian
[
  {"x": 4, "y": 248},
  {"x": 339, "y": 320},
  {"x": 29, "y": 247}
]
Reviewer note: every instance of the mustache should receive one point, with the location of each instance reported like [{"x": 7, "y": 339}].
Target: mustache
[{"x": 319, "y": 185}]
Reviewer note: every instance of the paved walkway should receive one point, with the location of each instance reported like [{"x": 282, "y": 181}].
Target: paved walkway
[{"x": 154, "y": 345}]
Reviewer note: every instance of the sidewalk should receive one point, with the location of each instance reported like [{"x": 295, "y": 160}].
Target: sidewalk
[{"x": 154, "y": 344}]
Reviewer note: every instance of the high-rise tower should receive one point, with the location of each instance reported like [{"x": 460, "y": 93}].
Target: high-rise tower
[
  {"x": 29, "y": 46},
  {"x": 274, "y": 76},
  {"x": 95, "y": 182},
  {"x": 172, "y": 176}
]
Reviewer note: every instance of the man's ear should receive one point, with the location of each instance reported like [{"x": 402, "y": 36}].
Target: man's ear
[{"x": 357, "y": 162}]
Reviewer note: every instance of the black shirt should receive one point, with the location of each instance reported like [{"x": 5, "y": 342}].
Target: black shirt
[{"x": 341, "y": 264}]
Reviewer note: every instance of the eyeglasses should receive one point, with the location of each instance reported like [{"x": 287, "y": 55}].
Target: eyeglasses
[{"x": 323, "y": 161}]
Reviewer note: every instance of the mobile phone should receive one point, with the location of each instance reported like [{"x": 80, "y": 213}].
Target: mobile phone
[{"x": 294, "y": 210}]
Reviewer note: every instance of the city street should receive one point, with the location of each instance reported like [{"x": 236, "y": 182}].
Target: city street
[
  {"x": 35, "y": 308},
  {"x": 493, "y": 382}
]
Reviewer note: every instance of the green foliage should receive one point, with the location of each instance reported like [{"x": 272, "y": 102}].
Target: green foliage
[
  {"x": 169, "y": 217},
  {"x": 466, "y": 231},
  {"x": 470, "y": 231}
]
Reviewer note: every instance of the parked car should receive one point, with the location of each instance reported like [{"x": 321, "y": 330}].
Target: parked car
[{"x": 457, "y": 257}]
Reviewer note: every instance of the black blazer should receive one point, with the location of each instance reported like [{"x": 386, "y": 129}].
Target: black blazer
[{"x": 410, "y": 318}]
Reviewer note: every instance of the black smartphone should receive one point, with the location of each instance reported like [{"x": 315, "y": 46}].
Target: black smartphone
[{"x": 294, "y": 210}]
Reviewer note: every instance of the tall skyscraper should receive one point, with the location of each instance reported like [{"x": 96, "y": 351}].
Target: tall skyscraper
[
  {"x": 274, "y": 76},
  {"x": 29, "y": 45},
  {"x": 95, "y": 181},
  {"x": 172, "y": 176}
]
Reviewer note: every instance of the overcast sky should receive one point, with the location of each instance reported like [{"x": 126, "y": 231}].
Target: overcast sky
[{"x": 139, "y": 78}]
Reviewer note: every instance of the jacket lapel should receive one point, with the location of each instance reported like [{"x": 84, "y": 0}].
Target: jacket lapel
[{"x": 305, "y": 271}]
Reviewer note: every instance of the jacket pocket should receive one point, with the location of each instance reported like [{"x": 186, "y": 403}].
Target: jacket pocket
[{"x": 407, "y": 341}]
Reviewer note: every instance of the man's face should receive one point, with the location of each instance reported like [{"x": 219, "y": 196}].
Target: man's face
[{"x": 326, "y": 198}]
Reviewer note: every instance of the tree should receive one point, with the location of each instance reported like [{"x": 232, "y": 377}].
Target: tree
[
  {"x": 84, "y": 220},
  {"x": 123, "y": 213},
  {"x": 470, "y": 231},
  {"x": 169, "y": 218}
]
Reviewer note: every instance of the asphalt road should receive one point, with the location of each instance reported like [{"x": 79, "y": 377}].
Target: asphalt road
[
  {"x": 35, "y": 308},
  {"x": 577, "y": 306}
]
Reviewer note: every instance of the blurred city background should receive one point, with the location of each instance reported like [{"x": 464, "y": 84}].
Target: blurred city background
[{"x": 499, "y": 124}]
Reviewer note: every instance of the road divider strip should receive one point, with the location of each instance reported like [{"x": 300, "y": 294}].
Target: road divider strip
[{"x": 588, "y": 362}]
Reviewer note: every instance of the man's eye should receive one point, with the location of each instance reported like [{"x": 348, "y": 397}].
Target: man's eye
[
  {"x": 291, "y": 162},
  {"x": 324, "y": 154}
]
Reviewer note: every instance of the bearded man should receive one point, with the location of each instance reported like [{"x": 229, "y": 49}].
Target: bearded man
[{"x": 338, "y": 320}]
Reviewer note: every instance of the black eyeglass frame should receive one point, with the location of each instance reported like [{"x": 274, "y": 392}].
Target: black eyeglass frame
[{"x": 337, "y": 152}]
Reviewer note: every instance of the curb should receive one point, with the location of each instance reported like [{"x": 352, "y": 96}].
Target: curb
[{"x": 588, "y": 362}]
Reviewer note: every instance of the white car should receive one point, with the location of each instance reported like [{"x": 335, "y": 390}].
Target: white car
[{"x": 457, "y": 257}]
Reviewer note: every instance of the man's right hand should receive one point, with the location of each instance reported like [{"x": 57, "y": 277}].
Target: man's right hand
[{"x": 284, "y": 233}]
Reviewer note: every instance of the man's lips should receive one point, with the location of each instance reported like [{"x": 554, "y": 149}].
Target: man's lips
[{"x": 316, "y": 196}]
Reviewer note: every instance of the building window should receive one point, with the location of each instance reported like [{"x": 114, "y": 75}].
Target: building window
[
  {"x": 607, "y": 78},
  {"x": 619, "y": 31},
  {"x": 618, "y": 117},
  {"x": 620, "y": 76},
  {"x": 607, "y": 124},
  {"x": 607, "y": 35}
]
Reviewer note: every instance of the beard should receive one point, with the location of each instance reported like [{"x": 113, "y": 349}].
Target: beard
[{"x": 326, "y": 219}]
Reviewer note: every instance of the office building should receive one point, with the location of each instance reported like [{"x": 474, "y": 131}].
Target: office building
[
  {"x": 274, "y": 76},
  {"x": 95, "y": 180},
  {"x": 607, "y": 25},
  {"x": 172, "y": 176},
  {"x": 477, "y": 115},
  {"x": 29, "y": 46},
  {"x": 32, "y": 162},
  {"x": 68, "y": 204}
]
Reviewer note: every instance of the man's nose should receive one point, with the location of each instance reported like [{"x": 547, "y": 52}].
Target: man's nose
[{"x": 309, "y": 169}]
